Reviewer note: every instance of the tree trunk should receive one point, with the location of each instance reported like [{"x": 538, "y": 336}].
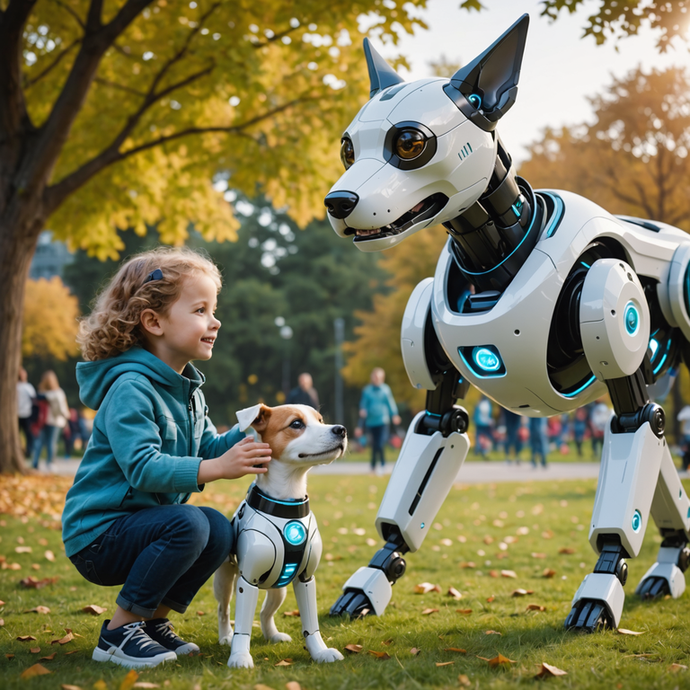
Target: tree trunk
[{"x": 17, "y": 246}]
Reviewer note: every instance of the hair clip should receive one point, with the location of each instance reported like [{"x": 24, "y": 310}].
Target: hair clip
[{"x": 154, "y": 275}]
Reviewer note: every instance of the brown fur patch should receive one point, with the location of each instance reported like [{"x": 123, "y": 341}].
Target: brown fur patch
[{"x": 273, "y": 424}]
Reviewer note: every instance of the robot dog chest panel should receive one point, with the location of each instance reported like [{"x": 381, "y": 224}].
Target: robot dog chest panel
[{"x": 273, "y": 550}]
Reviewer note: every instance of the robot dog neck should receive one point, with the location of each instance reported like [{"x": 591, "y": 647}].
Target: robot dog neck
[{"x": 494, "y": 236}]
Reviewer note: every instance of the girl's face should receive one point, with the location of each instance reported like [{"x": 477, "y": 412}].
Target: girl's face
[{"x": 189, "y": 329}]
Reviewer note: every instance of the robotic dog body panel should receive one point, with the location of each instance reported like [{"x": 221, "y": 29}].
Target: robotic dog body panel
[{"x": 541, "y": 300}]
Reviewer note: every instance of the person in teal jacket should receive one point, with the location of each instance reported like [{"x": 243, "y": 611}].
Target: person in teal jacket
[
  {"x": 377, "y": 409},
  {"x": 126, "y": 519}
]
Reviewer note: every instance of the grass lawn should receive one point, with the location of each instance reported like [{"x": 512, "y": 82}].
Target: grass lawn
[{"x": 522, "y": 529}]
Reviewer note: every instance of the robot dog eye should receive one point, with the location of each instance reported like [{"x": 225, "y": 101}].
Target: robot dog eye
[
  {"x": 297, "y": 424},
  {"x": 347, "y": 152},
  {"x": 410, "y": 144}
]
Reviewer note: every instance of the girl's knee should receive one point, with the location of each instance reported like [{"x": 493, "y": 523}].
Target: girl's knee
[{"x": 221, "y": 534}]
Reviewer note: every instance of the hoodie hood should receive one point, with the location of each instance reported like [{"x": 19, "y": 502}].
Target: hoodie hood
[{"x": 96, "y": 378}]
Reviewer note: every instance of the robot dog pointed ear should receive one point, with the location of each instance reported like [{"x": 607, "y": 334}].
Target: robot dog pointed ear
[
  {"x": 489, "y": 82},
  {"x": 381, "y": 74},
  {"x": 254, "y": 416}
]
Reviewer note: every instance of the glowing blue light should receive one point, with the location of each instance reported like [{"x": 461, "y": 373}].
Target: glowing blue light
[
  {"x": 637, "y": 521},
  {"x": 631, "y": 318},
  {"x": 422, "y": 526},
  {"x": 653, "y": 346},
  {"x": 294, "y": 532},
  {"x": 287, "y": 575},
  {"x": 485, "y": 359}
]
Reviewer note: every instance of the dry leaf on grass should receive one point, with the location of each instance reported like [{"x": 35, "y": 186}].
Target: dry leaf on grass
[
  {"x": 38, "y": 609},
  {"x": 379, "y": 655},
  {"x": 64, "y": 640},
  {"x": 9, "y": 656},
  {"x": 424, "y": 587},
  {"x": 387, "y": 643},
  {"x": 145, "y": 685},
  {"x": 547, "y": 671},
  {"x": 414, "y": 651},
  {"x": 94, "y": 610},
  {"x": 464, "y": 680},
  {"x": 426, "y": 612},
  {"x": 455, "y": 649},
  {"x": 261, "y": 686},
  {"x": 623, "y": 631},
  {"x": 509, "y": 573},
  {"x": 26, "y": 638},
  {"x": 35, "y": 670},
  {"x": 49, "y": 556},
  {"x": 2, "y": 622},
  {"x": 444, "y": 663},
  {"x": 492, "y": 632},
  {"x": 353, "y": 648},
  {"x": 538, "y": 555},
  {"x": 548, "y": 572},
  {"x": 522, "y": 592},
  {"x": 535, "y": 607},
  {"x": 677, "y": 668},
  {"x": 100, "y": 685},
  {"x": 35, "y": 650},
  {"x": 284, "y": 662},
  {"x": 291, "y": 613},
  {"x": 465, "y": 612},
  {"x": 23, "y": 549},
  {"x": 293, "y": 685},
  {"x": 33, "y": 583},
  {"x": 490, "y": 599},
  {"x": 468, "y": 564},
  {"x": 50, "y": 657},
  {"x": 129, "y": 680},
  {"x": 67, "y": 686},
  {"x": 452, "y": 592},
  {"x": 499, "y": 660},
  {"x": 566, "y": 550}
]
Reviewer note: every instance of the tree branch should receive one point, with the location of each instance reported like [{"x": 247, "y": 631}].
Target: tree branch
[
  {"x": 122, "y": 87},
  {"x": 58, "y": 58},
  {"x": 70, "y": 11}
]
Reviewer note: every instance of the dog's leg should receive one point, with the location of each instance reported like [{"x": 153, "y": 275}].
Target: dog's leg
[
  {"x": 245, "y": 608},
  {"x": 273, "y": 601},
  {"x": 305, "y": 593},
  {"x": 223, "y": 586},
  {"x": 671, "y": 513},
  {"x": 630, "y": 466}
]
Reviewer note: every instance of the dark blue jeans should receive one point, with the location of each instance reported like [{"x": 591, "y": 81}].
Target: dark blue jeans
[
  {"x": 161, "y": 555},
  {"x": 379, "y": 436}
]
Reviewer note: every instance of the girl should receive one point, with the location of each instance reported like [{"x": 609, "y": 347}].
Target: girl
[
  {"x": 58, "y": 413},
  {"x": 125, "y": 520}
]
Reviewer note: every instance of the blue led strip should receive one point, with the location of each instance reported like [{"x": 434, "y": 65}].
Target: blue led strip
[
  {"x": 586, "y": 384},
  {"x": 558, "y": 213}
]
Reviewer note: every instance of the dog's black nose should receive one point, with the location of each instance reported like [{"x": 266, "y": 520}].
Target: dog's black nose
[
  {"x": 341, "y": 204},
  {"x": 339, "y": 430}
]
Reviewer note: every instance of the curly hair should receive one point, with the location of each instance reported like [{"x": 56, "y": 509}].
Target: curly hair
[{"x": 151, "y": 280}]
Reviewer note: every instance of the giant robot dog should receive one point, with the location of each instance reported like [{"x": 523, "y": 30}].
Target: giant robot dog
[{"x": 541, "y": 299}]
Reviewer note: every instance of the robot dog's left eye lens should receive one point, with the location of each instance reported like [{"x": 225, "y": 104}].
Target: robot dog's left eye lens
[
  {"x": 297, "y": 424},
  {"x": 410, "y": 144},
  {"x": 347, "y": 153}
]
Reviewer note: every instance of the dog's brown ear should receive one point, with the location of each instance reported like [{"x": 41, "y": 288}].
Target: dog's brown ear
[{"x": 261, "y": 420}]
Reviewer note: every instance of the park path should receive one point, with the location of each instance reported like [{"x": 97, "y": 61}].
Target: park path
[{"x": 470, "y": 473}]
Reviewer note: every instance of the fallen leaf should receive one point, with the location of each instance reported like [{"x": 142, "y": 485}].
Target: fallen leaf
[
  {"x": 492, "y": 632},
  {"x": 547, "y": 534},
  {"x": 676, "y": 668},
  {"x": 387, "y": 643},
  {"x": 535, "y": 607},
  {"x": 499, "y": 660},
  {"x": 490, "y": 599},
  {"x": 353, "y": 648},
  {"x": 145, "y": 685},
  {"x": 538, "y": 555},
  {"x": 100, "y": 685},
  {"x": 94, "y": 610},
  {"x": 623, "y": 631},
  {"x": 455, "y": 649},
  {"x": 546, "y": 671},
  {"x": 26, "y": 638},
  {"x": 261, "y": 686},
  {"x": 464, "y": 680},
  {"x": 465, "y": 612},
  {"x": 129, "y": 680},
  {"x": 548, "y": 572},
  {"x": 452, "y": 592},
  {"x": 468, "y": 564},
  {"x": 2, "y": 603},
  {"x": 379, "y": 655},
  {"x": 426, "y": 612},
  {"x": 201, "y": 613},
  {"x": 38, "y": 609},
  {"x": 566, "y": 550},
  {"x": 424, "y": 587},
  {"x": 50, "y": 657},
  {"x": 35, "y": 650},
  {"x": 444, "y": 663},
  {"x": 67, "y": 686},
  {"x": 522, "y": 592},
  {"x": 2, "y": 622},
  {"x": 23, "y": 549},
  {"x": 35, "y": 670},
  {"x": 64, "y": 640},
  {"x": 291, "y": 613},
  {"x": 493, "y": 573},
  {"x": 509, "y": 573},
  {"x": 32, "y": 583},
  {"x": 9, "y": 656},
  {"x": 414, "y": 651},
  {"x": 49, "y": 556},
  {"x": 73, "y": 651},
  {"x": 293, "y": 685},
  {"x": 284, "y": 662}
]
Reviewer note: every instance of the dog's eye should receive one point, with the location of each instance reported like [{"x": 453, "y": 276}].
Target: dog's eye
[
  {"x": 410, "y": 144},
  {"x": 297, "y": 424},
  {"x": 347, "y": 153}
]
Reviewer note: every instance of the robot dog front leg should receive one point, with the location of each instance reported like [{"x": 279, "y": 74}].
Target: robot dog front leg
[{"x": 434, "y": 449}]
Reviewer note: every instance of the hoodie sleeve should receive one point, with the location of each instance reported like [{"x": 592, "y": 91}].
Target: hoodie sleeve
[
  {"x": 213, "y": 444},
  {"x": 135, "y": 440}
]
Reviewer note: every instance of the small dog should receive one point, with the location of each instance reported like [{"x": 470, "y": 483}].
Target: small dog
[{"x": 277, "y": 539}]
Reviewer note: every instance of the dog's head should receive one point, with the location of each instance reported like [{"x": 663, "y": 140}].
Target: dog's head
[
  {"x": 296, "y": 433},
  {"x": 419, "y": 154}
]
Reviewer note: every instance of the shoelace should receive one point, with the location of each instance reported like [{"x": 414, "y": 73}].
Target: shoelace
[
  {"x": 166, "y": 629},
  {"x": 137, "y": 634}
]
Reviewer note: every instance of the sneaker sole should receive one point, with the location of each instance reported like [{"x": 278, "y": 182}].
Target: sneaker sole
[{"x": 131, "y": 662}]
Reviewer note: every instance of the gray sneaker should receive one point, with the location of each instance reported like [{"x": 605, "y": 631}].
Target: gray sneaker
[
  {"x": 161, "y": 630},
  {"x": 130, "y": 646}
]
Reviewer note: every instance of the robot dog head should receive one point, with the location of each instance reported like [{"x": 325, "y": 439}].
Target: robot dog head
[{"x": 421, "y": 153}]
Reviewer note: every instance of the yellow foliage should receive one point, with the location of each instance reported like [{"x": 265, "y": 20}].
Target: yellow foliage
[{"x": 50, "y": 320}]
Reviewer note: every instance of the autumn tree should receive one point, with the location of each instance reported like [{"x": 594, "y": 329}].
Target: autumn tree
[
  {"x": 121, "y": 113},
  {"x": 50, "y": 320}
]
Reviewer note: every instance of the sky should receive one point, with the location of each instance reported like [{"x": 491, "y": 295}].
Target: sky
[{"x": 560, "y": 68}]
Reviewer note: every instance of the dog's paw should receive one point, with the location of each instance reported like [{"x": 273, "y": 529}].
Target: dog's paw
[
  {"x": 241, "y": 660},
  {"x": 327, "y": 655},
  {"x": 279, "y": 637},
  {"x": 226, "y": 639}
]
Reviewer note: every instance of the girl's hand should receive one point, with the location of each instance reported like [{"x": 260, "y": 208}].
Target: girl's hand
[{"x": 246, "y": 457}]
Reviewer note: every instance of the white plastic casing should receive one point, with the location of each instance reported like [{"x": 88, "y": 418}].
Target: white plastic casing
[
  {"x": 614, "y": 319},
  {"x": 412, "y": 336},
  {"x": 677, "y": 289},
  {"x": 605, "y": 588},
  {"x": 374, "y": 584}
]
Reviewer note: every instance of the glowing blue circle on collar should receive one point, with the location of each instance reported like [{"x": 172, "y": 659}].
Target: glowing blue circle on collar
[
  {"x": 485, "y": 359},
  {"x": 294, "y": 533}
]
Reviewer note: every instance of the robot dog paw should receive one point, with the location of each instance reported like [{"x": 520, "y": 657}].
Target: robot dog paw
[
  {"x": 353, "y": 603},
  {"x": 589, "y": 616},
  {"x": 653, "y": 588},
  {"x": 327, "y": 655},
  {"x": 241, "y": 660}
]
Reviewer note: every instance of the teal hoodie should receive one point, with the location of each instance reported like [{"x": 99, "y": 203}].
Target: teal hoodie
[{"x": 150, "y": 434}]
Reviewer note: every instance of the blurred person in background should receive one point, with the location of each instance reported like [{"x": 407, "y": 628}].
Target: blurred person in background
[
  {"x": 25, "y": 396},
  {"x": 304, "y": 393},
  {"x": 56, "y": 419}
]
